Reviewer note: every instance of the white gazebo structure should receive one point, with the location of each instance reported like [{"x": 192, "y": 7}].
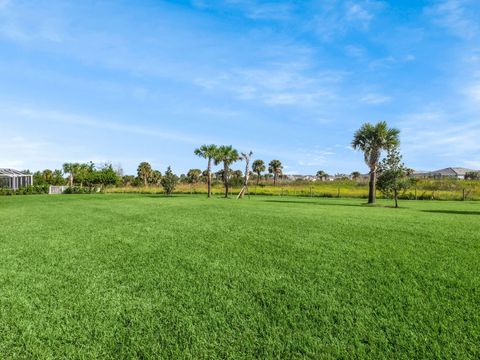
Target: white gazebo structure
[{"x": 14, "y": 179}]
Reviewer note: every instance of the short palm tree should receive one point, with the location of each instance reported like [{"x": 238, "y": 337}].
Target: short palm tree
[
  {"x": 322, "y": 175},
  {"x": 70, "y": 168},
  {"x": 355, "y": 175},
  {"x": 372, "y": 140},
  {"x": 275, "y": 167},
  {"x": 208, "y": 152},
  {"x": 258, "y": 167},
  {"x": 144, "y": 171},
  {"x": 226, "y": 155}
]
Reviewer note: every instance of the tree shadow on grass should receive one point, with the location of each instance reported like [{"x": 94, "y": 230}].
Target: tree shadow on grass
[
  {"x": 453, "y": 212},
  {"x": 309, "y": 202}
]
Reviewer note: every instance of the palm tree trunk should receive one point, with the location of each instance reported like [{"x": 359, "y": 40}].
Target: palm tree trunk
[
  {"x": 209, "y": 177},
  {"x": 225, "y": 179},
  {"x": 371, "y": 187},
  {"x": 274, "y": 179},
  {"x": 395, "y": 194},
  {"x": 71, "y": 180}
]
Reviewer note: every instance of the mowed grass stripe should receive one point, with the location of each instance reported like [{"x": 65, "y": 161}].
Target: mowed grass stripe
[{"x": 132, "y": 276}]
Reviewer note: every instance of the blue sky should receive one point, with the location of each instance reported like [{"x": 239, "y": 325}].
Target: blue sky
[{"x": 131, "y": 81}]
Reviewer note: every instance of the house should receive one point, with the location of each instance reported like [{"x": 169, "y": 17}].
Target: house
[
  {"x": 447, "y": 173},
  {"x": 14, "y": 179},
  {"x": 301, "y": 177}
]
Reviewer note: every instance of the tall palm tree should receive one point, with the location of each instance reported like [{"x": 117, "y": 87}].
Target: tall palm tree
[
  {"x": 226, "y": 155},
  {"x": 275, "y": 167},
  {"x": 144, "y": 171},
  {"x": 258, "y": 167},
  {"x": 372, "y": 140},
  {"x": 208, "y": 152}
]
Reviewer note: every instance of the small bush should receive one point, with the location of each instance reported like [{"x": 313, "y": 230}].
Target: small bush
[
  {"x": 28, "y": 190},
  {"x": 81, "y": 190}
]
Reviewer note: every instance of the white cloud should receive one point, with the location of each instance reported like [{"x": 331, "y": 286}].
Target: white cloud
[
  {"x": 444, "y": 137},
  {"x": 54, "y": 116},
  {"x": 316, "y": 157},
  {"x": 473, "y": 92},
  {"x": 277, "y": 84},
  {"x": 357, "y": 12},
  {"x": 355, "y": 51},
  {"x": 253, "y": 9},
  {"x": 455, "y": 16},
  {"x": 375, "y": 99}
]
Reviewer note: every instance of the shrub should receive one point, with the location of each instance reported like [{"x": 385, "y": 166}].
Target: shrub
[
  {"x": 81, "y": 190},
  {"x": 28, "y": 190},
  {"x": 169, "y": 181}
]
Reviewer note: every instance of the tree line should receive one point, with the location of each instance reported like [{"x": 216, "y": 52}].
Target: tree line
[
  {"x": 226, "y": 155},
  {"x": 389, "y": 174}
]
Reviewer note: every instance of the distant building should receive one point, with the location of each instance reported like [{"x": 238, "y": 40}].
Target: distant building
[
  {"x": 301, "y": 177},
  {"x": 447, "y": 173},
  {"x": 14, "y": 179}
]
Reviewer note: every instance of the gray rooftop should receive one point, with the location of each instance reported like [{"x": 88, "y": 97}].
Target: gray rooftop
[
  {"x": 452, "y": 171},
  {"x": 11, "y": 173}
]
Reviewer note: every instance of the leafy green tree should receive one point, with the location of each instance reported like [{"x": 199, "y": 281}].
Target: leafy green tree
[
  {"x": 38, "y": 178},
  {"x": 226, "y": 155},
  {"x": 275, "y": 168},
  {"x": 144, "y": 171},
  {"x": 169, "y": 181},
  {"x": 208, "y": 152},
  {"x": 372, "y": 140},
  {"x": 258, "y": 168},
  {"x": 322, "y": 175},
  {"x": 84, "y": 174},
  {"x": 393, "y": 175},
  {"x": 106, "y": 176}
]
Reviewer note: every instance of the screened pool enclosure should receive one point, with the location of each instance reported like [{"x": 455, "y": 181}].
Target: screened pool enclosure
[{"x": 14, "y": 179}]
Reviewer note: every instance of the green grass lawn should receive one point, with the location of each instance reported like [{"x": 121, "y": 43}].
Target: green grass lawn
[{"x": 138, "y": 276}]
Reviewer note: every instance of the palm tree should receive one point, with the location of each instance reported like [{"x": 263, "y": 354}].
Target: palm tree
[
  {"x": 355, "y": 175},
  {"x": 208, "y": 152},
  {"x": 193, "y": 176},
  {"x": 226, "y": 155},
  {"x": 275, "y": 167},
  {"x": 258, "y": 167},
  {"x": 372, "y": 140},
  {"x": 322, "y": 175},
  {"x": 155, "y": 177},
  {"x": 69, "y": 168},
  {"x": 144, "y": 171}
]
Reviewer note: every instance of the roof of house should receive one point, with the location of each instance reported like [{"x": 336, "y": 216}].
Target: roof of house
[
  {"x": 11, "y": 173},
  {"x": 452, "y": 171}
]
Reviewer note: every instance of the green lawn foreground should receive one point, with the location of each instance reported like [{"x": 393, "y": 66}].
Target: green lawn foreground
[{"x": 138, "y": 276}]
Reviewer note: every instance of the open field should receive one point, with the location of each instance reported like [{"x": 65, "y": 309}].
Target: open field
[
  {"x": 145, "y": 276},
  {"x": 424, "y": 190}
]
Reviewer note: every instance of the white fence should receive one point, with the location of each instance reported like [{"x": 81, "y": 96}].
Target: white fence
[{"x": 56, "y": 190}]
